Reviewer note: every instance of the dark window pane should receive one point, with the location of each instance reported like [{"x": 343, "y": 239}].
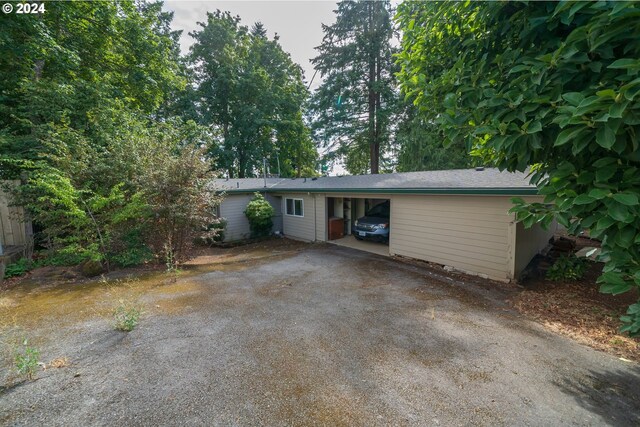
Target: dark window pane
[
  {"x": 298, "y": 207},
  {"x": 289, "y": 206}
]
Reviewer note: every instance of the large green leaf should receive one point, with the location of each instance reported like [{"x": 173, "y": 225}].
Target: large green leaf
[
  {"x": 605, "y": 137},
  {"x": 599, "y": 193},
  {"x": 583, "y": 199},
  {"x": 568, "y": 135},
  {"x": 613, "y": 283},
  {"x": 620, "y": 213},
  {"x": 629, "y": 199}
]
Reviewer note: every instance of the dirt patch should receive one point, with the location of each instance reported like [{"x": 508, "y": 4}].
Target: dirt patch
[
  {"x": 577, "y": 309},
  {"x": 252, "y": 251}
]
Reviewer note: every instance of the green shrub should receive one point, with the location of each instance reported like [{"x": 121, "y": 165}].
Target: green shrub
[
  {"x": 126, "y": 316},
  {"x": 567, "y": 267},
  {"x": 132, "y": 249},
  {"x": 219, "y": 228},
  {"x": 73, "y": 254},
  {"x": 18, "y": 268},
  {"x": 27, "y": 361},
  {"x": 260, "y": 213}
]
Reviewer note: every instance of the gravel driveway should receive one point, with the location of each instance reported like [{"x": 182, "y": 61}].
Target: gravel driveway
[{"x": 320, "y": 335}]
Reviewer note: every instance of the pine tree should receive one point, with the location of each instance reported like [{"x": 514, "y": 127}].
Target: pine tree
[{"x": 352, "y": 107}]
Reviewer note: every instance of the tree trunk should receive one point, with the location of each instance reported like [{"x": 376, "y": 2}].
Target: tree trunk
[
  {"x": 378, "y": 127},
  {"x": 241, "y": 164},
  {"x": 373, "y": 150}
]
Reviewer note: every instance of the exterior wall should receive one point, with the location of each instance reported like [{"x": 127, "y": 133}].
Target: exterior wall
[
  {"x": 232, "y": 210},
  {"x": 276, "y": 202},
  {"x": 321, "y": 217},
  {"x": 529, "y": 243},
  {"x": 474, "y": 234},
  {"x": 12, "y": 225},
  {"x": 470, "y": 233},
  {"x": 305, "y": 227}
]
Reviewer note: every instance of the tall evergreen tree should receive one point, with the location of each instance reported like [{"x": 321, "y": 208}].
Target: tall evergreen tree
[
  {"x": 352, "y": 107},
  {"x": 251, "y": 92}
]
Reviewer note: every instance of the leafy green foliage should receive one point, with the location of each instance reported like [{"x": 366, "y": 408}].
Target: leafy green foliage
[
  {"x": 351, "y": 110},
  {"x": 420, "y": 147},
  {"x": 550, "y": 86},
  {"x": 567, "y": 267},
  {"x": 26, "y": 361},
  {"x": 76, "y": 60},
  {"x": 259, "y": 212},
  {"x": 18, "y": 268},
  {"x": 83, "y": 124},
  {"x": 250, "y": 92},
  {"x": 132, "y": 248},
  {"x": 126, "y": 316}
]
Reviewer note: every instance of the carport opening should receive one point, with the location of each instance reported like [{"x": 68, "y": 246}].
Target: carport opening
[{"x": 360, "y": 223}]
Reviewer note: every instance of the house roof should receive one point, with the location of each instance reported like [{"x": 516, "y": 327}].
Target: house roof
[{"x": 455, "y": 181}]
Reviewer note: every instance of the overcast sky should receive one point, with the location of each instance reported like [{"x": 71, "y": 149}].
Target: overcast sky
[{"x": 297, "y": 22}]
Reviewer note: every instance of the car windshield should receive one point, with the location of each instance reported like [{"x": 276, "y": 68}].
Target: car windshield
[{"x": 381, "y": 210}]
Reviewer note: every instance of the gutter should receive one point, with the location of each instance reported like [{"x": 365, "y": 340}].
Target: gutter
[{"x": 498, "y": 191}]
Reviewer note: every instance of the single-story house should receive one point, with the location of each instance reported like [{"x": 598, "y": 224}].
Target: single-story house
[{"x": 457, "y": 218}]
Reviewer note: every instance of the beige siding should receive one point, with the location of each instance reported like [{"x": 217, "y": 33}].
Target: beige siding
[
  {"x": 470, "y": 233},
  {"x": 321, "y": 217},
  {"x": 12, "y": 225},
  {"x": 530, "y": 242},
  {"x": 302, "y": 228},
  {"x": 232, "y": 209},
  {"x": 276, "y": 202}
]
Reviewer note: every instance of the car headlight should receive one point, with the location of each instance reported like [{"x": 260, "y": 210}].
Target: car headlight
[
  {"x": 356, "y": 223},
  {"x": 380, "y": 226}
]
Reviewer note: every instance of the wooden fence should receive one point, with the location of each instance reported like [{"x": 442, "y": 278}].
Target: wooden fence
[{"x": 15, "y": 230}]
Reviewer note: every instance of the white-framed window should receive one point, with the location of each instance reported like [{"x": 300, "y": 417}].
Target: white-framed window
[{"x": 294, "y": 207}]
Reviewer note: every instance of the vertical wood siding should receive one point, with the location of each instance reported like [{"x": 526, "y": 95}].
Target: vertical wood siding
[{"x": 12, "y": 223}]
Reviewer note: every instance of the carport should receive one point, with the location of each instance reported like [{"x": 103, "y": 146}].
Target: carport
[{"x": 342, "y": 213}]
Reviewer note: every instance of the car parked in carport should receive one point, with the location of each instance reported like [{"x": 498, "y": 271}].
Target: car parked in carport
[{"x": 375, "y": 224}]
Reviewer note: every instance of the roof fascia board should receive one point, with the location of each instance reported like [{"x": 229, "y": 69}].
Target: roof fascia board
[{"x": 516, "y": 191}]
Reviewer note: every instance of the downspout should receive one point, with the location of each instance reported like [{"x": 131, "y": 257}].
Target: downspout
[{"x": 315, "y": 219}]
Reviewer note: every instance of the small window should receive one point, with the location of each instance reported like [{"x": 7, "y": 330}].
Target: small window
[{"x": 295, "y": 207}]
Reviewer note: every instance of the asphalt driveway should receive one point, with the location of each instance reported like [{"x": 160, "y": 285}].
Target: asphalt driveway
[{"x": 321, "y": 335}]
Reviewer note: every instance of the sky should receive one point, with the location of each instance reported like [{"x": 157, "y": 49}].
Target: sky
[{"x": 297, "y": 22}]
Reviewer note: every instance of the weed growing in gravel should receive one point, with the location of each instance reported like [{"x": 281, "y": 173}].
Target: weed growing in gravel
[
  {"x": 126, "y": 316},
  {"x": 27, "y": 361}
]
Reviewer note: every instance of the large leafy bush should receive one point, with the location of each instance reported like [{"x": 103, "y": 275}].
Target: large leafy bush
[
  {"x": 554, "y": 87},
  {"x": 259, "y": 212}
]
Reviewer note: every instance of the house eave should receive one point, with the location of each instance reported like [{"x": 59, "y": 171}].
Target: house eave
[{"x": 505, "y": 191}]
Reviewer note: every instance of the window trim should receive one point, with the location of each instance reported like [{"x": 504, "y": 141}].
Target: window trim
[{"x": 294, "y": 207}]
